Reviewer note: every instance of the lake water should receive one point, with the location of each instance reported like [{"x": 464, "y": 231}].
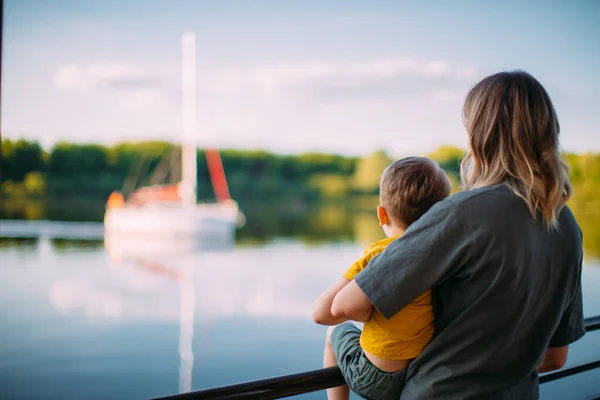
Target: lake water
[{"x": 83, "y": 321}]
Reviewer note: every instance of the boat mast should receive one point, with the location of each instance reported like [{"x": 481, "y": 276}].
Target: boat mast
[{"x": 188, "y": 118}]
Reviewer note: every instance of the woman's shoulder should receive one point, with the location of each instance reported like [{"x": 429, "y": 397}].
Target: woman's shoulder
[
  {"x": 501, "y": 205},
  {"x": 485, "y": 200},
  {"x": 568, "y": 227},
  {"x": 462, "y": 204},
  {"x": 495, "y": 192},
  {"x": 480, "y": 209},
  {"x": 566, "y": 217}
]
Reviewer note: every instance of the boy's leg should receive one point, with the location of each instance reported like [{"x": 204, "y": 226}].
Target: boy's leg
[
  {"x": 343, "y": 349},
  {"x": 339, "y": 392}
]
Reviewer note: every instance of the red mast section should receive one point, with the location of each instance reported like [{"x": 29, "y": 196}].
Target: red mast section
[{"x": 217, "y": 175}]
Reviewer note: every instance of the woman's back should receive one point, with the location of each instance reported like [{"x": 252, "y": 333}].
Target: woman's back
[
  {"x": 503, "y": 293},
  {"x": 503, "y": 258}
]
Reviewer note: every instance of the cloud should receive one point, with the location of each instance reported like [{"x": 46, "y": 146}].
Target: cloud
[
  {"x": 448, "y": 96},
  {"x": 466, "y": 72},
  {"x": 136, "y": 86},
  {"x": 282, "y": 106},
  {"x": 140, "y": 99},
  {"x": 82, "y": 77},
  {"x": 349, "y": 74},
  {"x": 70, "y": 77},
  {"x": 261, "y": 78},
  {"x": 134, "y": 82}
]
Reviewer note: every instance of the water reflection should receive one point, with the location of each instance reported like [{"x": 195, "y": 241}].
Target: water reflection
[
  {"x": 186, "y": 330},
  {"x": 184, "y": 276},
  {"x": 172, "y": 261},
  {"x": 154, "y": 322},
  {"x": 157, "y": 249},
  {"x": 325, "y": 223},
  {"x": 150, "y": 282}
]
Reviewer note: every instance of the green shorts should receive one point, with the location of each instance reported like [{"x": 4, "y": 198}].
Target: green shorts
[{"x": 362, "y": 377}]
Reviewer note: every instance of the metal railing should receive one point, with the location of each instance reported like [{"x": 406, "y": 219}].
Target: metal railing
[{"x": 310, "y": 381}]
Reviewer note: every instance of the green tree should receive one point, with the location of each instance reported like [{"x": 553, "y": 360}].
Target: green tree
[
  {"x": 330, "y": 186},
  {"x": 19, "y": 158},
  {"x": 449, "y": 158},
  {"x": 71, "y": 159},
  {"x": 35, "y": 183},
  {"x": 369, "y": 169}
]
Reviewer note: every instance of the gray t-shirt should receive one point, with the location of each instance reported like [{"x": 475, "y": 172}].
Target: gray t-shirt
[{"x": 504, "y": 289}]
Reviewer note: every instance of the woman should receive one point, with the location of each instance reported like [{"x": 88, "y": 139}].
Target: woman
[{"x": 503, "y": 257}]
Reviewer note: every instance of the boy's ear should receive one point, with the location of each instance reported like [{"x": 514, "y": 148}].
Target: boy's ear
[{"x": 382, "y": 215}]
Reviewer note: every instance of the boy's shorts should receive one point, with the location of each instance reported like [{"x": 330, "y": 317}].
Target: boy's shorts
[{"x": 362, "y": 377}]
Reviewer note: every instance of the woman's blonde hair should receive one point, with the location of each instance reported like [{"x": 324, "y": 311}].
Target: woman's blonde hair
[{"x": 513, "y": 136}]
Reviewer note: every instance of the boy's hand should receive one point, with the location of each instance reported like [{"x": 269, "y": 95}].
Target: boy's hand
[{"x": 322, "y": 308}]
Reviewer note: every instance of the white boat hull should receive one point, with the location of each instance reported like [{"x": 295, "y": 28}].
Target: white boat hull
[{"x": 172, "y": 220}]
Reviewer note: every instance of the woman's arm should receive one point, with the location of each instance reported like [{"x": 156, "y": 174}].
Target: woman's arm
[
  {"x": 322, "y": 308},
  {"x": 431, "y": 250},
  {"x": 570, "y": 329},
  {"x": 555, "y": 358},
  {"x": 352, "y": 303}
]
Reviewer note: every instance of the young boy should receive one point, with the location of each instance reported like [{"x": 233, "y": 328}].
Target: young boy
[{"x": 373, "y": 362}]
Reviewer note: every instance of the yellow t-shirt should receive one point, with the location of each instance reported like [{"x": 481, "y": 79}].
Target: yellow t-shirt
[{"x": 406, "y": 334}]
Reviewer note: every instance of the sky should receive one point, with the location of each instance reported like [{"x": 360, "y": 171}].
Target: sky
[{"x": 341, "y": 76}]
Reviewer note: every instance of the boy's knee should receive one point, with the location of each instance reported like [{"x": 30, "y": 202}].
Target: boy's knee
[{"x": 329, "y": 330}]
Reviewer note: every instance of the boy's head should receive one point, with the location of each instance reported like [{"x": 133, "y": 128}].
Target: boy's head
[{"x": 408, "y": 188}]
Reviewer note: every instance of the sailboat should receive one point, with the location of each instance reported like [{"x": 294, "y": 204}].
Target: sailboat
[{"x": 173, "y": 210}]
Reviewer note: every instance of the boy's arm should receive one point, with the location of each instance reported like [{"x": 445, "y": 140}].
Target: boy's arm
[
  {"x": 361, "y": 310},
  {"x": 322, "y": 307}
]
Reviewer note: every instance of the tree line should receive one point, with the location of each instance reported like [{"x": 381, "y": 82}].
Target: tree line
[
  {"x": 69, "y": 169},
  {"x": 95, "y": 170},
  {"x": 76, "y": 173}
]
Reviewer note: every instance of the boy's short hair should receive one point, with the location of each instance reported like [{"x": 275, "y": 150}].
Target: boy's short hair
[{"x": 410, "y": 187}]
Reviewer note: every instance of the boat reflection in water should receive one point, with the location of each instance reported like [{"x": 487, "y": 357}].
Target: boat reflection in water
[
  {"x": 162, "y": 249},
  {"x": 181, "y": 284},
  {"x": 174, "y": 260}
]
